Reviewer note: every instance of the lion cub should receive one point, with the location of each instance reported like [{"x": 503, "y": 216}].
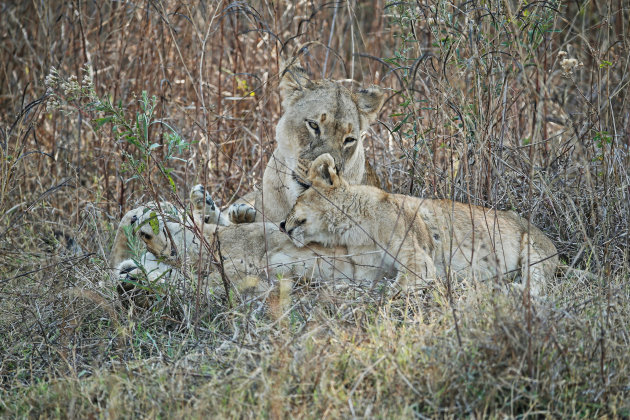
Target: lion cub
[
  {"x": 249, "y": 250},
  {"x": 419, "y": 237},
  {"x": 378, "y": 229}
]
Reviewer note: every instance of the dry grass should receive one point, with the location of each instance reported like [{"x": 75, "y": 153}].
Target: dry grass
[{"x": 482, "y": 107}]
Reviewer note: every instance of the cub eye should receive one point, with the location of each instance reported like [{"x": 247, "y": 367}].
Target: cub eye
[
  {"x": 145, "y": 235},
  {"x": 206, "y": 219},
  {"x": 349, "y": 140},
  {"x": 313, "y": 125}
]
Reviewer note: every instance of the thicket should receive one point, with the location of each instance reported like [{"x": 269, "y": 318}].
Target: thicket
[{"x": 515, "y": 105}]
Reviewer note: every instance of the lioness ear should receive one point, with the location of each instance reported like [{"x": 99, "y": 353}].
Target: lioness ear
[
  {"x": 369, "y": 101},
  {"x": 323, "y": 173},
  {"x": 293, "y": 80}
]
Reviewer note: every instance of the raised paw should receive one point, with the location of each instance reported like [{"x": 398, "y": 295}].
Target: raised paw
[
  {"x": 201, "y": 199},
  {"x": 203, "y": 205},
  {"x": 241, "y": 213}
]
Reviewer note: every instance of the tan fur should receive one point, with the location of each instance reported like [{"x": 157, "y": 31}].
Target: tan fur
[
  {"x": 320, "y": 116},
  {"x": 258, "y": 250},
  {"x": 120, "y": 248},
  {"x": 415, "y": 234}
]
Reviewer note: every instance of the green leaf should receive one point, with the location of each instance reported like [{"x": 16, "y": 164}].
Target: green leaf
[
  {"x": 144, "y": 101},
  {"x": 145, "y": 129},
  {"x": 132, "y": 139},
  {"x": 134, "y": 283},
  {"x": 153, "y": 222},
  {"x": 99, "y": 122},
  {"x": 170, "y": 181}
]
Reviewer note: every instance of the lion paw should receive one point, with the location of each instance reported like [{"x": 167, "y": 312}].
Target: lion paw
[
  {"x": 241, "y": 213},
  {"x": 201, "y": 199},
  {"x": 142, "y": 281},
  {"x": 203, "y": 204}
]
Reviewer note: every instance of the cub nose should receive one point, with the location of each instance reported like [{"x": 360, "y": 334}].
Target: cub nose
[{"x": 282, "y": 225}]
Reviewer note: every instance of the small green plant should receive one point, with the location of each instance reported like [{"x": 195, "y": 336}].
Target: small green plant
[
  {"x": 601, "y": 138},
  {"x": 140, "y": 156},
  {"x": 68, "y": 95}
]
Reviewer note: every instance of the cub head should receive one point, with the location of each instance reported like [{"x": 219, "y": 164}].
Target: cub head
[
  {"x": 319, "y": 214},
  {"x": 322, "y": 116}
]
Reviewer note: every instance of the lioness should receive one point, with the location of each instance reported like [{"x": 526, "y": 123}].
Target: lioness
[
  {"x": 320, "y": 116},
  {"x": 414, "y": 234}
]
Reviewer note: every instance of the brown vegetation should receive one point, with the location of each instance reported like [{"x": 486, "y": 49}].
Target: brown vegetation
[{"x": 517, "y": 105}]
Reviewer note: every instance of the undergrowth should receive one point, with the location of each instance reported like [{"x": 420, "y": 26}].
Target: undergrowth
[{"x": 513, "y": 105}]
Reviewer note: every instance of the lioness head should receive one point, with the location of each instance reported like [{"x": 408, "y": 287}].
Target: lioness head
[
  {"x": 319, "y": 214},
  {"x": 322, "y": 116}
]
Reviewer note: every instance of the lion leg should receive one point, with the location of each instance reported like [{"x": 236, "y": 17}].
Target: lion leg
[
  {"x": 120, "y": 249},
  {"x": 203, "y": 204},
  {"x": 535, "y": 265},
  {"x": 416, "y": 270}
]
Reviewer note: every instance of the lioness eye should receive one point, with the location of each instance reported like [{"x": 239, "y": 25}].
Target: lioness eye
[
  {"x": 145, "y": 235},
  {"x": 300, "y": 222},
  {"x": 348, "y": 141},
  {"x": 313, "y": 125}
]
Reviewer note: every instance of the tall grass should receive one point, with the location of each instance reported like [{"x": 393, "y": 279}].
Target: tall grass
[{"x": 514, "y": 105}]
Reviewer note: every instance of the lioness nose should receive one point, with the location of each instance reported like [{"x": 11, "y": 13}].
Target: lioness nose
[{"x": 282, "y": 225}]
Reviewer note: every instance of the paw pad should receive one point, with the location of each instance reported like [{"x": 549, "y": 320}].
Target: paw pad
[{"x": 241, "y": 213}]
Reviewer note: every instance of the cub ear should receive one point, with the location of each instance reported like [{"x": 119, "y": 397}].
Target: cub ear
[
  {"x": 369, "y": 101},
  {"x": 322, "y": 172},
  {"x": 293, "y": 80}
]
